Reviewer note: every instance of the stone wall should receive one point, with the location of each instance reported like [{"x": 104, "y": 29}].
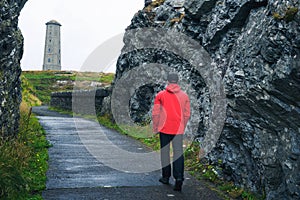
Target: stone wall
[
  {"x": 11, "y": 51},
  {"x": 255, "y": 46},
  {"x": 83, "y": 102}
]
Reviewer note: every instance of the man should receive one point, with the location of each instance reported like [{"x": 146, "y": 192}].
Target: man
[{"x": 170, "y": 115}]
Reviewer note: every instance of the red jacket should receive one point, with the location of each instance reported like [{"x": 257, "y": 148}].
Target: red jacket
[{"x": 171, "y": 110}]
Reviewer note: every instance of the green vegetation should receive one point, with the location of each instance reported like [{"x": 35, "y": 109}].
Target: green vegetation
[
  {"x": 28, "y": 92},
  {"x": 45, "y": 82},
  {"x": 289, "y": 14},
  {"x": 107, "y": 121},
  {"x": 277, "y": 16},
  {"x": 152, "y": 142},
  {"x": 144, "y": 134},
  {"x": 23, "y": 160},
  {"x": 141, "y": 133},
  {"x": 208, "y": 173}
]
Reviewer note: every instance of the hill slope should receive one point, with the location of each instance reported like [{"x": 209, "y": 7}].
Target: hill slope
[{"x": 45, "y": 82}]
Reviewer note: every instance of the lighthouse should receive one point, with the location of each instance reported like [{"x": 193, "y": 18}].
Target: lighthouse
[{"x": 52, "y": 53}]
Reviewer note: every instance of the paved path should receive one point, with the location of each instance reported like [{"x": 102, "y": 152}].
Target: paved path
[{"x": 88, "y": 161}]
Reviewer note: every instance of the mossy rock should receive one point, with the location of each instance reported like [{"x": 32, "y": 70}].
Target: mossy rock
[
  {"x": 277, "y": 16},
  {"x": 290, "y": 14}
]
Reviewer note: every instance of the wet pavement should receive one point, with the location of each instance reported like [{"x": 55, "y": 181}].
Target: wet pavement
[{"x": 89, "y": 161}]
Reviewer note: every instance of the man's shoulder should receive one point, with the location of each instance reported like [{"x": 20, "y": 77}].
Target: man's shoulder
[
  {"x": 183, "y": 92},
  {"x": 160, "y": 93}
]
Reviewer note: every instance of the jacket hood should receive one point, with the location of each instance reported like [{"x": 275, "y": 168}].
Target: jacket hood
[{"x": 173, "y": 88}]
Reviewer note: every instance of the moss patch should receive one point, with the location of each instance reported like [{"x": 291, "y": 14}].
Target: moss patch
[{"x": 288, "y": 16}]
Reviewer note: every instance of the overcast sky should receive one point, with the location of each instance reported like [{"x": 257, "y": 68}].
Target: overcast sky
[{"x": 85, "y": 25}]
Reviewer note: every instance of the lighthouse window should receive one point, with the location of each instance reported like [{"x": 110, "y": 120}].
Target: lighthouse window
[
  {"x": 49, "y": 50},
  {"x": 49, "y": 60}
]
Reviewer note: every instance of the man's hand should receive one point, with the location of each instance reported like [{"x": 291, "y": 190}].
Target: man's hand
[
  {"x": 155, "y": 130},
  {"x": 155, "y": 123}
]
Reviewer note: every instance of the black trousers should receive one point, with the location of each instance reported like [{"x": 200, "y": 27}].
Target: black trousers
[{"x": 178, "y": 158}]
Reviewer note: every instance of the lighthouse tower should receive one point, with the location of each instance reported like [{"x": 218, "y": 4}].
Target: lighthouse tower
[{"x": 52, "y": 54}]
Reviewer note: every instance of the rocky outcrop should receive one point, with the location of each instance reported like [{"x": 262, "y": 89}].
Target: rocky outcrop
[
  {"x": 11, "y": 50},
  {"x": 255, "y": 47}
]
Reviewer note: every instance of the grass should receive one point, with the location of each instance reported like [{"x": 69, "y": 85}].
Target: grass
[
  {"x": 33, "y": 136},
  {"x": 106, "y": 120},
  {"x": 28, "y": 92},
  {"x": 23, "y": 159},
  {"x": 141, "y": 133},
  {"x": 202, "y": 170},
  {"x": 45, "y": 82}
]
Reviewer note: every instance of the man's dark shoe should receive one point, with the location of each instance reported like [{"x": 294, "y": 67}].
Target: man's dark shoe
[
  {"x": 164, "y": 180},
  {"x": 178, "y": 185}
]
